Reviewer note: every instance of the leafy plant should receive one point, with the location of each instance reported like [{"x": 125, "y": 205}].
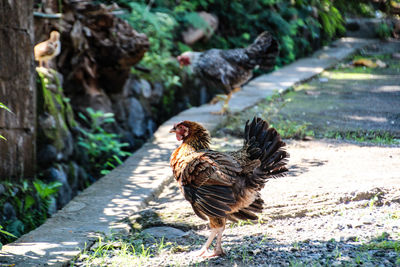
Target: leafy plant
[
  {"x": 103, "y": 149},
  {"x": 383, "y": 30},
  {"x": 30, "y": 201},
  {"x": 5, "y": 233},
  {"x": 159, "y": 28}
]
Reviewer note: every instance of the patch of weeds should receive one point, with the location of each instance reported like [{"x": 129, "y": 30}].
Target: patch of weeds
[
  {"x": 297, "y": 263},
  {"x": 374, "y": 201},
  {"x": 270, "y": 110},
  {"x": 382, "y": 242},
  {"x": 134, "y": 249},
  {"x": 104, "y": 150},
  {"x": 246, "y": 255},
  {"x": 383, "y": 30},
  {"x": 240, "y": 223},
  {"x": 375, "y": 137}
]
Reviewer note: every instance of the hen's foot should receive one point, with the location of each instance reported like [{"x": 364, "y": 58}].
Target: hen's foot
[
  {"x": 205, "y": 253},
  {"x": 218, "y": 98},
  {"x": 223, "y": 111},
  {"x": 199, "y": 252},
  {"x": 215, "y": 253}
]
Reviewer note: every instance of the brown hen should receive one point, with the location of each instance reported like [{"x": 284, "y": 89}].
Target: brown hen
[{"x": 222, "y": 186}]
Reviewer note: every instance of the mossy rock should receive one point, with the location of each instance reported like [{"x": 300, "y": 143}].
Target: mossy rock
[{"x": 55, "y": 110}]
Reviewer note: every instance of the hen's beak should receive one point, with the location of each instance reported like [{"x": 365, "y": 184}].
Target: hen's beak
[
  {"x": 173, "y": 130},
  {"x": 180, "y": 62}
]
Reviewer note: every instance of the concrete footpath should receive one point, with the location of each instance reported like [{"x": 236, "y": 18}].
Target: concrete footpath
[{"x": 128, "y": 188}]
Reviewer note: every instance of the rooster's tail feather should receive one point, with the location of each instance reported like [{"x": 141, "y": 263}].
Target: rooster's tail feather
[{"x": 263, "y": 51}]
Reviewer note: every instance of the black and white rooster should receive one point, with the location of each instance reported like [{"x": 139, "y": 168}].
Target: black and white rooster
[{"x": 230, "y": 69}]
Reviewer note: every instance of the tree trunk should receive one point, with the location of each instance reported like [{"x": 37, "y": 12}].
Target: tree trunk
[{"x": 17, "y": 90}]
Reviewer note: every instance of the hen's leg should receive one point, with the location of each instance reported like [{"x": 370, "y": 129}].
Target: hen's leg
[
  {"x": 217, "y": 228},
  {"x": 203, "y": 250},
  {"x": 217, "y": 98},
  {"x": 218, "y": 251},
  {"x": 219, "y": 224},
  {"x": 225, "y": 107}
]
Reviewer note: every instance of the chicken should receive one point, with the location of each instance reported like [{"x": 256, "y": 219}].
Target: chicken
[
  {"x": 48, "y": 49},
  {"x": 222, "y": 186},
  {"x": 230, "y": 69}
]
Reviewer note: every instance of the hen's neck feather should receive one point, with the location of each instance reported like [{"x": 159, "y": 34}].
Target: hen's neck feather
[{"x": 197, "y": 141}]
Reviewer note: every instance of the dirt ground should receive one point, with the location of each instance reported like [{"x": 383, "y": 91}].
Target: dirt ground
[{"x": 339, "y": 205}]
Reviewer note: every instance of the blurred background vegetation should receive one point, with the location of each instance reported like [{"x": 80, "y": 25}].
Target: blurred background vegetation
[{"x": 300, "y": 26}]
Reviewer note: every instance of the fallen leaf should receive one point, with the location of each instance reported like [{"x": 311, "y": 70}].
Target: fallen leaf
[
  {"x": 364, "y": 62},
  {"x": 380, "y": 63}
]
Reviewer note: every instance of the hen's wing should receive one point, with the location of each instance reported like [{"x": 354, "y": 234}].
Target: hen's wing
[
  {"x": 212, "y": 66},
  {"x": 206, "y": 181},
  {"x": 238, "y": 57}
]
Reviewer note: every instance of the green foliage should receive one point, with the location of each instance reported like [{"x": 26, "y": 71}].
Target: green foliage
[
  {"x": 159, "y": 28},
  {"x": 375, "y": 137},
  {"x": 356, "y": 8},
  {"x": 2, "y": 106},
  {"x": 132, "y": 250},
  {"x": 298, "y": 25},
  {"x": 31, "y": 201},
  {"x": 103, "y": 149},
  {"x": 270, "y": 110},
  {"x": 383, "y": 30},
  {"x": 331, "y": 20}
]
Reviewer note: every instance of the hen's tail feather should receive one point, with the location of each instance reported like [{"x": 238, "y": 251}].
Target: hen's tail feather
[
  {"x": 265, "y": 144},
  {"x": 248, "y": 212},
  {"x": 263, "y": 51}
]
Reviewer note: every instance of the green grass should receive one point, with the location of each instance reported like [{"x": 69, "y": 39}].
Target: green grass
[
  {"x": 132, "y": 250},
  {"x": 269, "y": 110},
  {"x": 374, "y": 137}
]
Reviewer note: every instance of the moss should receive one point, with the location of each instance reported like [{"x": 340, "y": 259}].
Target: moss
[{"x": 56, "y": 105}]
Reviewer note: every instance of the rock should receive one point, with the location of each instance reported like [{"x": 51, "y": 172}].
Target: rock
[
  {"x": 2, "y": 189},
  {"x": 83, "y": 178},
  {"x": 136, "y": 118},
  {"x": 64, "y": 192},
  {"x": 164, "y": 231},
  {"x": 193, "y": 34},
  {"x": 156, "y": 93},
  {"x": 9, "y": 213},
  {"x": 151, "y": 126},
  {"x": 47, "y": 155},
  {"x": 73, "y": 176},
  {"x": 145, "y": 88},
  {"x": 133, "y": 87},
  {"x": 68, "y": 145},
  {"x": 52, "y": 206}
]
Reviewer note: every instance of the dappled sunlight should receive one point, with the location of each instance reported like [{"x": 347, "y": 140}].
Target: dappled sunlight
[
  {"x": 310, "y": 69},
  {"x": 354, "y": 76},
  {"x": 387, "y": 88},
  {"x": 367, "y": 118}
]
